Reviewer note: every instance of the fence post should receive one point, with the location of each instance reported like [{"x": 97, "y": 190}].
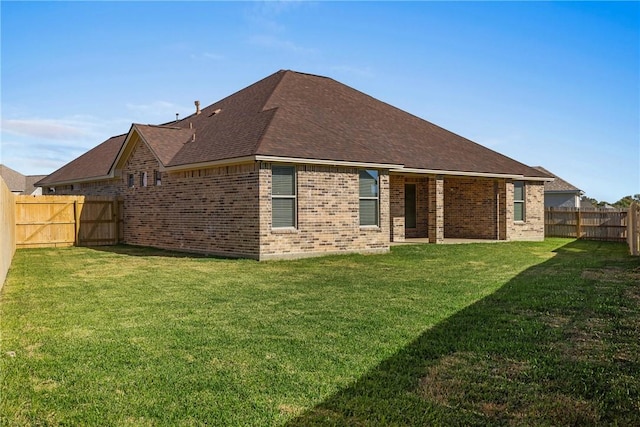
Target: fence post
[{"x": 578, "y": 225}]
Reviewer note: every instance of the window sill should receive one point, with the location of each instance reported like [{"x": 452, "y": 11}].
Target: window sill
[
  {"x": 369, "y": 227},
  {"x": 284, "y": 230}
]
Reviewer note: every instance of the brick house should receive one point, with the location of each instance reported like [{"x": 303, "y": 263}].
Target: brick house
[{"x": 299, "y": 165}]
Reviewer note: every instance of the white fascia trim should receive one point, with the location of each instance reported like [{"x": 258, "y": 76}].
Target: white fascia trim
[
  {"x": 457, "y": 173},
  {"x": 205, "y": 165},
  {"x": 327, "y": 162},
  {"x": 79, "y": 181},
  {"x": 472, "y": 174},
  {"x": 537, "y": 178},
  {"x": 122, "y": 149}
]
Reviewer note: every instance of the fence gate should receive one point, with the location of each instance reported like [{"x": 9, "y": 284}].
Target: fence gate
[{"x": 49, "y": 221}]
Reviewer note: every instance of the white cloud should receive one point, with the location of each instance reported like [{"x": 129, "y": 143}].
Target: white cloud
[
  {"x": 155, "y": 112},
  {"x": 274, "y": 42},
  {"x": 269, "y": 31},
  {"x": 44, "y": 128},
  {"x": 207, "y": 56},
  {"x": 35, "y": 146}
]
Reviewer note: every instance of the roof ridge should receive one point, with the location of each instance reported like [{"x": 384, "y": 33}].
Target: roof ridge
[
  {"x": 282, "y": 73},
  {"x": 163, "y": 126}
]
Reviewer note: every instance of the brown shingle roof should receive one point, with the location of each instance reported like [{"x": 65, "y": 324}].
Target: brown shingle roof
[
  {"x": 558, "y": 184},
  {"x": 296, "y": 115},
  {"x": 92, "y": 164}
]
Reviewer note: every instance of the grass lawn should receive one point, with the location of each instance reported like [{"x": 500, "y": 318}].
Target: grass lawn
[{"x": 543, "y": 333}]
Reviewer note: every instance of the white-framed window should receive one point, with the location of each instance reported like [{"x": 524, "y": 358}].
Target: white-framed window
[
  {"x": 157, "y": 177},
  {"x": 130, "y": 180},
  {"x": 519, "y": 201},
  {"x": 283, "y": 196},
  {"x": 143, "y": 179},
  {"x": 369, "y": 182}
]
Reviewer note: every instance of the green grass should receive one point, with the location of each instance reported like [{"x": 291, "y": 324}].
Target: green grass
[{"x": 486, "y": 334}]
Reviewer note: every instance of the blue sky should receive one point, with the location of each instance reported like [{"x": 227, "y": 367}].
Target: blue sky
[{"x": 550, "y": 84}]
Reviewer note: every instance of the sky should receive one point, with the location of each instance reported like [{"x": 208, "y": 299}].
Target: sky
[{"x": 552, "y": 84}]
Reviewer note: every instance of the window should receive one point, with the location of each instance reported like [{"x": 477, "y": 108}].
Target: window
[
  {"x": 410, "y": 206},
  {"x": 518, "y": 201},
  {"x": 157, "y": 177},
  {"x": 283, "y": 196},
  {"x": 143, "y": 179},
  {"x": 369, "y": 192},
  {"x": 130, "y": 181}
]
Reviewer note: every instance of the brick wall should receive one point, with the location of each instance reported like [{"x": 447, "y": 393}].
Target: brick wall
[
  {"x": 397, "y": 192},
  {"x": 211, "y": 210},
  {"x": 396, "y": 208},
  {"x": 422, "y": 205},
  {"x": 532, "y": 228},
  {"x": 436, "y": 209},
  {"x": 110, "y": 187},
  {"x": 328, "y": 218},
  {"x": 470, "y": 207}
]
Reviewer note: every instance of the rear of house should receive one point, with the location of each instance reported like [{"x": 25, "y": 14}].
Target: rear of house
[{"x": 301, "y": 165}]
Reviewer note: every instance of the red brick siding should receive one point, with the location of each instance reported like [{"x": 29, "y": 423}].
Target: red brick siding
[
  {"x": 436, "y": 209},
  {"x": 213, "y": 211},
  {"x": 396, "y": 208},
  {"x": 328, "y": 218},
  {"x": 397, "y": 184},
  {"x": 532, "y": 228},
  {"x": 111, "y": 187},
  {"x": 470, "y": 206}
]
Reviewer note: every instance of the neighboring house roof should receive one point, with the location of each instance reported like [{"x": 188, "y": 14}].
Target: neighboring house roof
[
  {"x": 290, "y": 115},
  {"x": 558, "y": 185},
  {"x": 18, "y": 183}
]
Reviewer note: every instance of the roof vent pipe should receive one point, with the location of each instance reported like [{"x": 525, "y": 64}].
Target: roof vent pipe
[{"x": 197, "y": 107}]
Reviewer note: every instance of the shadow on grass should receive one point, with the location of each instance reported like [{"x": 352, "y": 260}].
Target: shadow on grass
[
  {"x": 557, "y": 345},
  {"x": 146, "y": 251}
]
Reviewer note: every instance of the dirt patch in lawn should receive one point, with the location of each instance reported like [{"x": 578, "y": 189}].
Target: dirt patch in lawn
[
  {"x": 466, "y": 381},
  {"x": 611, "y": 274}
]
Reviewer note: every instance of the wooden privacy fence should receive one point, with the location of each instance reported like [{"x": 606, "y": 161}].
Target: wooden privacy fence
[
  {"x": 589, "y": 224},
  {"x": 633, "y": 233},
  {"x": 50, "y": 221},
  {"x": 7, "y": 229}
]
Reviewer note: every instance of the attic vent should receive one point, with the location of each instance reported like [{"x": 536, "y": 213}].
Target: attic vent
[{"x": 216, "y": 112}]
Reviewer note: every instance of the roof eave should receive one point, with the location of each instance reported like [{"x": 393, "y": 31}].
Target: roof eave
[
  {"x": 75, "y": 181},
  {"x": 469, "y": 174},
  {"x": 563, "y": 191},
  {"x": 327, "y": 162},
  {"x": 210, "y": 164}
]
